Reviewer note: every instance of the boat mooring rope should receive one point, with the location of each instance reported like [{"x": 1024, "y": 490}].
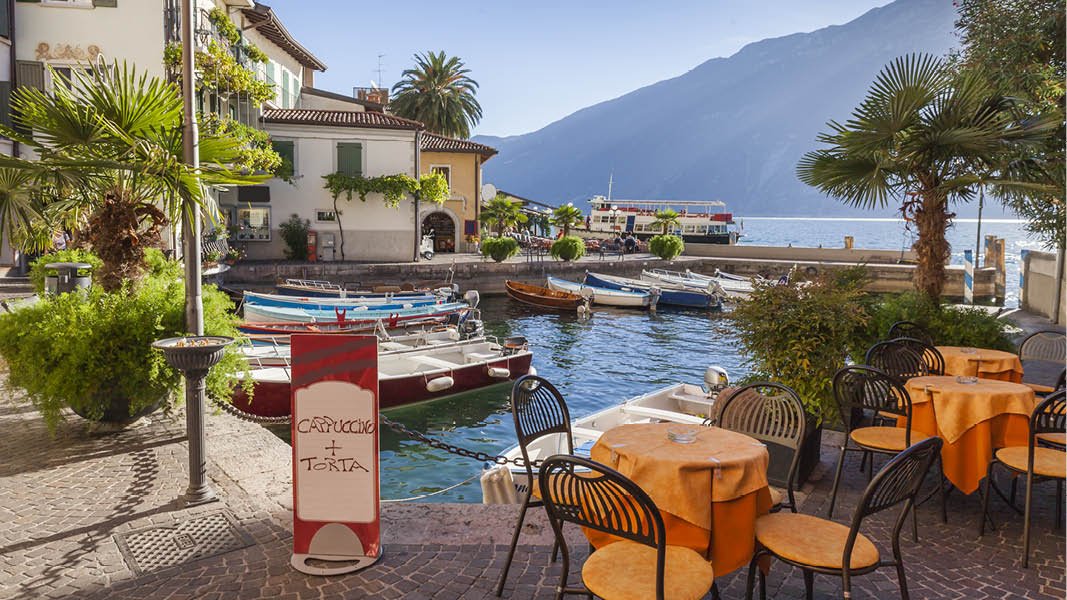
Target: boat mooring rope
[{"x": 449, "y": 488}]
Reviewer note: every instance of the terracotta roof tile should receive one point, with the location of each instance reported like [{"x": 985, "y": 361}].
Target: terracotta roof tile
[
  {"x": 338, "y": 118},
  {"x": 432, "y": 142}
]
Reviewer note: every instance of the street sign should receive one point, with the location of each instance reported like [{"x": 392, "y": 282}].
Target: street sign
[{"x": 335, "y": 452}]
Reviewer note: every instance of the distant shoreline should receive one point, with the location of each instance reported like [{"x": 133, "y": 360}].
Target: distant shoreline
[{"x": 871, "y": 219}]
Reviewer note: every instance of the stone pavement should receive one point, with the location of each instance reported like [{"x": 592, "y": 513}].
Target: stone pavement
[{"x": 63, "y": 499}]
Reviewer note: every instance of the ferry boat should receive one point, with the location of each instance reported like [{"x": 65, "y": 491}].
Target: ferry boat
[{"x": 699, "y": 222}]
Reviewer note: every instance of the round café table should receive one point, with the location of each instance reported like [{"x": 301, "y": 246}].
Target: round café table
[
  {"x": 709, "y": 492},
  {"x": 980, "y": 362},
  {"x": 973, "y": 420}
]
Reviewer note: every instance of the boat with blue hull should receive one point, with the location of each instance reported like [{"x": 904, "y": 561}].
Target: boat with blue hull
[
  {"x": 321, "y": 303},
  {"x": 254, "y": 313},
  {"x": 668, "y": 295}
]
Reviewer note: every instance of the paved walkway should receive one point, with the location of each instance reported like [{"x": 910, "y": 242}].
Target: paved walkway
[{"x": 63, "y": 499}]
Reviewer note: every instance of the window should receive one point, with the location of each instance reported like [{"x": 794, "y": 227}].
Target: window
[
  {"x": 324, "y": 215},
  {"x": 446, "y": 171},
  {"x": 287, "y": 150},
  {"x": 350, "y": 159},
  {"x": 29, "y": 74},
  {"x": 689, "y": 229},
  {"x": 285, "y": 89},
  {"x": 253, "y": 224},
  {"x": 702, "y": 228}
]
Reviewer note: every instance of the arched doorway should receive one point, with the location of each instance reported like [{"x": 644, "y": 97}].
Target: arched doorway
[{"x": 444, "y": 231}]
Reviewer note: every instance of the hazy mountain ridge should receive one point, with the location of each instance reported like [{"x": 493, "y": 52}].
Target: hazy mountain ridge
[{"x": 730, "y": 129}]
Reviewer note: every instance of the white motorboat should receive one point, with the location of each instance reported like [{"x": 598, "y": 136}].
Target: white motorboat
[
  {"x": 682, "y": 403},
  {"x": 351, "y": 301},
  {"x": 605, "y": 296},
  {"x": 263, "y": 353},
  {"x": 732, "y": 288}
]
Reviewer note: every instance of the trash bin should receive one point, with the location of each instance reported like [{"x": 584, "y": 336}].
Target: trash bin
[{"x": 67, "y": 278}]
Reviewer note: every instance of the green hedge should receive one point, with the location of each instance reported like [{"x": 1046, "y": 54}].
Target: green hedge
[
  {"x": 569, "y": 247},
  {"x": 667, "y": 247},
  {"x": 500, "y": 249}
]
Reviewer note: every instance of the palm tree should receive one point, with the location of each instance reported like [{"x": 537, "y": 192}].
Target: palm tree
[
  {"x": 666, "y": 219},
  {"x": 439, "y": 94},
  {"x": 923, "y": 136},
  {"x": 565, "y": 217},
  {"x": 110, "y": 163},
  {"x": 502, "y": 213}
]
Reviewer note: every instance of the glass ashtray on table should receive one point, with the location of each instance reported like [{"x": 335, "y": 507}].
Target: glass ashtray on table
[
  {"x": 966, "y": 379},
  {"x": 682, "y": 435}
]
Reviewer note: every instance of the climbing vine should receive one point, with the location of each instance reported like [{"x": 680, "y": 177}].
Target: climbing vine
[
  {"x": 393, "y": 188},
  {"x": 256, "y": 152},
  {"x": 220, "y": 73},
  {"x": 227, "y": 29}
]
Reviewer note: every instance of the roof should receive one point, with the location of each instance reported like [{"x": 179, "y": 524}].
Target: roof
[
  {"x": 338, "y": 118},
  {"x": 431, "y": 142},
  {"x": 341, "y": 97},
  {"x": 263, "y": 20}
]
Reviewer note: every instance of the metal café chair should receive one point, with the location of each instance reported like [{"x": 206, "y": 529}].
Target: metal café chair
[
  {"x": 770, "y": 413},
  {"x": 820, "y": 546},
  {"x": 1036, "y": 462},
  {"x": 1042, "y": 355},
  {"x": 641, "y": 564},
  {"x": 912, "y": 330},
  {"x": 931, "y": 356},
  {"x": 897, "y": 359},
  {"x": 866, "y": 388},
  {"x": 539, "y": 410}
]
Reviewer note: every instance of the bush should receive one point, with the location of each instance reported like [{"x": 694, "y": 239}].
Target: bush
[
  {"x": 82, "y": 349},
  {"x": 568, "y": 247},
  {"x": 667, "y": 247},
  {"x": 38, "y": 272},
  {"x": 295, "y": 236},
  {"x": 500, "y": 249},
  {"x": 949, "y": 326},
  {"x": 799, "y": 334}
]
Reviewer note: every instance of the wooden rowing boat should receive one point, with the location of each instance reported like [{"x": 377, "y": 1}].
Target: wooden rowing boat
[{"x": 542, "y": 296}]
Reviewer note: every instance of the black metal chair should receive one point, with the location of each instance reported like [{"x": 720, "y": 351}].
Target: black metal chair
[
  {"x": 912, "y": 330},
  {"x": 641, "y": 564},
  {"x": 539, "y": 410},
  {"x": 931, "y": 356},
  {"x": 771, "y": 413},
  {"x": 844, "y": 551},
  {"x": 1036, "y": 462},
  {"x": 858, "y": 389},
  {"x": 897, "y": 359},
  {"x": 1042, "y": 355}
]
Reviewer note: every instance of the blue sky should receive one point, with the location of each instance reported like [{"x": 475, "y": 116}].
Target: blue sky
[{"x": 539, "y": 61}]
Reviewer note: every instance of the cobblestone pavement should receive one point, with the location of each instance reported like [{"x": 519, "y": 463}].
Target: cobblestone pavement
[{"x": 63, "y": 499}]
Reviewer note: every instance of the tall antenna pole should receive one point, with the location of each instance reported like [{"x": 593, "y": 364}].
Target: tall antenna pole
[
  {"x": 611, "y": 178},
  {"x": 380, "y": 81}
]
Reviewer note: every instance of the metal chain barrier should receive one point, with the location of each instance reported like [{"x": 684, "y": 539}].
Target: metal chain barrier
[
  {"x": 453, "y": 449},
  {"x": 245, "y": 416}
]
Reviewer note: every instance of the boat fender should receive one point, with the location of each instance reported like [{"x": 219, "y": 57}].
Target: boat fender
[
  {"x": 532, "y": 371},
  {"x": 361, "y": 307},
  {"x": 499, "y": 372},
  {"x": 440, "y": 384},
  {"x": 409, "y": 305}
]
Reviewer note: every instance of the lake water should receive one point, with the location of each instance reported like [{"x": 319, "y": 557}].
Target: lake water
[{"x": 618, "y": 354}]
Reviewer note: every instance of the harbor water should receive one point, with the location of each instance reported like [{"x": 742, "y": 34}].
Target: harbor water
[{"x": 615, "y": 355}]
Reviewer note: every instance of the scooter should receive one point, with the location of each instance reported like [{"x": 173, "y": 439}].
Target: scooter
[{"x": 426, "y": 246}]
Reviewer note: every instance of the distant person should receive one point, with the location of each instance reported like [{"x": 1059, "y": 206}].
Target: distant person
[{"x": 631, "y": 243}]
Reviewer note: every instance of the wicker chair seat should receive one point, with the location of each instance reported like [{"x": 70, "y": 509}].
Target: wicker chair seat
[
  {"x": 1047, "y": 462},
  {"x": 885, "y": 438},
  {"x": 812, "y": 541},
  {"x": 627, "y": 571}
]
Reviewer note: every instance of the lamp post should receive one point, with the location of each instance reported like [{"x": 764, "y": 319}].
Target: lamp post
[
  {"x": 199, "y": 490},
  {"x": 614, "y": 217}
]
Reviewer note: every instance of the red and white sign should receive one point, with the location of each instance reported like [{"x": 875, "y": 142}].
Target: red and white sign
[{"x": 335, "y": 451}]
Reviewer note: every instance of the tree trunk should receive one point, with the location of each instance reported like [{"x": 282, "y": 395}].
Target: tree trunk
[{"x": 931, "y": 219}]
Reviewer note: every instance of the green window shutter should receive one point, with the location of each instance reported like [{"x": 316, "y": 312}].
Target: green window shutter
[
  {"x": 29, "y": 73},
  {"x": 5, "y": 103},
  {"x": 5, "y": 20},
  {"x": 285, "y": 89},
  {"x": 286, "y": 149},
  {"x": 106, "y": 3},
  {"x": 350, "y": 159}
]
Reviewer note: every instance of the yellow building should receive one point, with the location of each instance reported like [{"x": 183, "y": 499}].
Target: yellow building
[{"x": 460, "y": 161}]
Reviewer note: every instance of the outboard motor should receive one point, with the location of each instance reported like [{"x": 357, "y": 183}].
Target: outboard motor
[
  {"x": 715, "y": 379},
  {"x": 513, "y": 344},
  {"x": 471, "y": 297},
  {"x": 452, "y": 319},
  {"x": 472, "y": 325}
]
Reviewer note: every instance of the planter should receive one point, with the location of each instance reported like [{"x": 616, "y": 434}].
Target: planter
[
  {"x": 780, "y": 457},
  {"x": 117, "y": 410},
  {"x": 51, "y": 283}
]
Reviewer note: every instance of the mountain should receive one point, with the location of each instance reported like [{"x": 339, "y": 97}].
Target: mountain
[{"x": 731, "y": 129}]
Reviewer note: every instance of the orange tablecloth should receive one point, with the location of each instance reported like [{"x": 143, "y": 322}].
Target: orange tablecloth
[
  {"x": 709, "y": 491},
  {"x": 973, "y": 420},
  {"x": 987, "y": 364}
]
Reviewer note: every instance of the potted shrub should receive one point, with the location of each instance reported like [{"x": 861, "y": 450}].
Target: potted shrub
[
  {"x": 500, "y": 248},
  {"x": 799, "y": 335},
  {"x": 91, "y": 351},
  {"x": 666, "y": 246},
  {"x": 568, "y": 247}
]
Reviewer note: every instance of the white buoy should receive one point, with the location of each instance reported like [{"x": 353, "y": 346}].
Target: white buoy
[
  {"x": 439, "y": 384},
  {"x": 532, "y": 371},
  {"x": 499, "y": 372}
]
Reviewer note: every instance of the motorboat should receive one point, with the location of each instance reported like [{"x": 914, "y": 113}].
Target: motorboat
[
  {"x": 276, "y": 332},
  {"x": 606, "y": 296},
  {"x": 733, "y": 289},
  {"x": 669, "y": 294},
  {"x": 390, "y": 313},
  {"x": 683, "y": 403},
  {"x": 542, "y": 296},
  {"x": 275, "y": 352},
  {"x": 320, "y": 303},
  {"x": 324, "y": 289},
  {"x": 408, "y": 377}
]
